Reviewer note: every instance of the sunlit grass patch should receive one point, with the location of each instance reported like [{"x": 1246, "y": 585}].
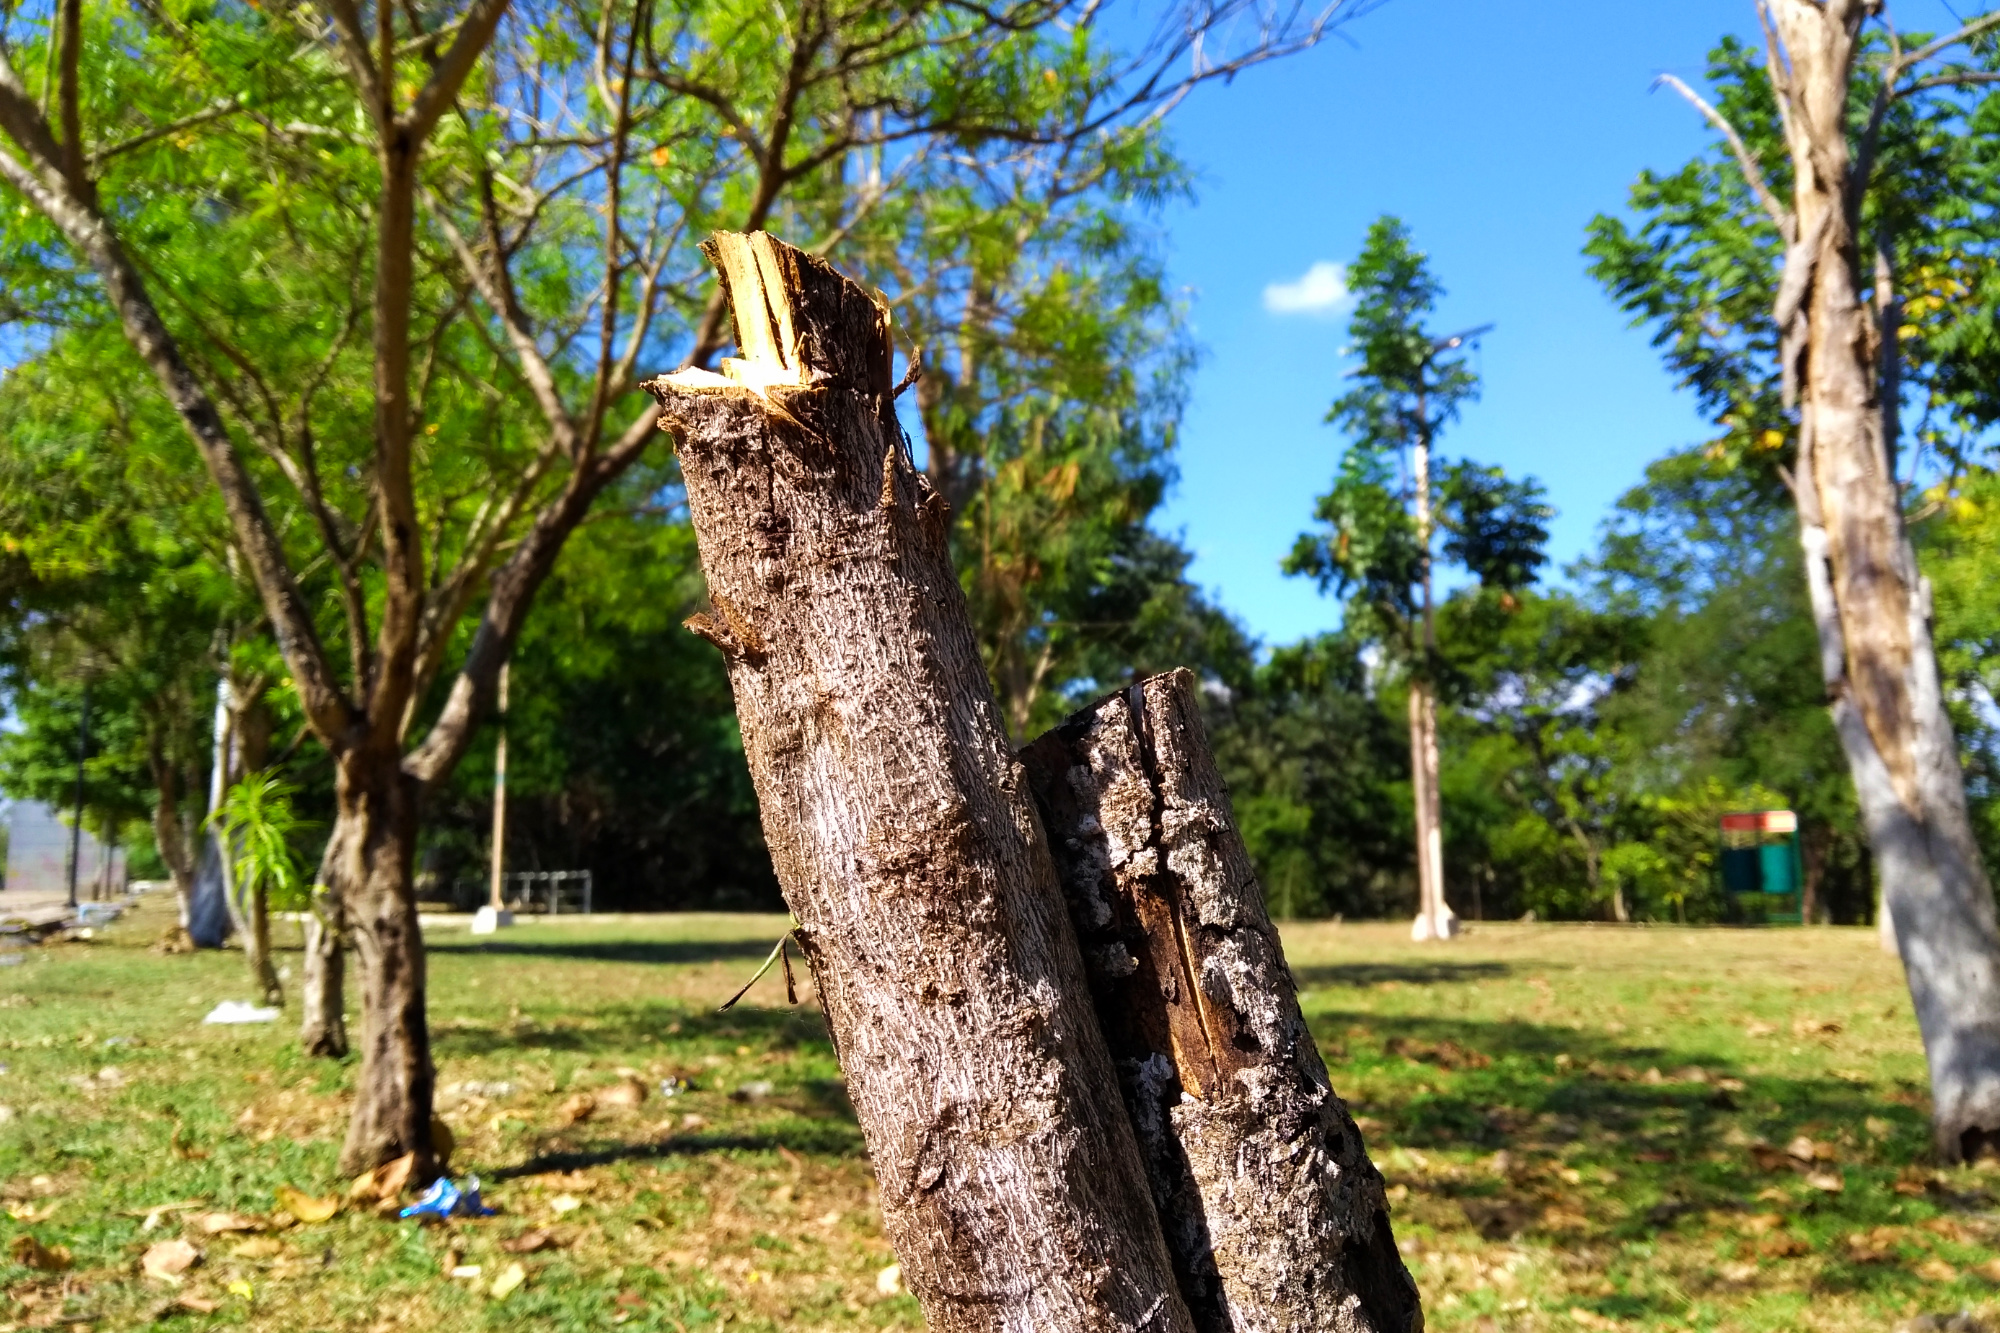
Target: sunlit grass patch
[{"x": 1581, "y": 1129}]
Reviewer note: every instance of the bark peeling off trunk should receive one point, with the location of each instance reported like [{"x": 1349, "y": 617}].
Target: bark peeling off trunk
[
  {"x": 900, "y": 827},
  {"x": 1275, "y": 1216}
]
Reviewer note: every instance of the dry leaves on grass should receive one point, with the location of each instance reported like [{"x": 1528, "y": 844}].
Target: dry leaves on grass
[
  {"x": 385, "y": 1183},
  {"x": 29, "y": 1252},
  {"x": 259, "y": 1247},
  {"x": 628, "y": 1093},
  {"x": 306, "y": 1207},
  {"x": 220, "y": 1224},
  {"x": 1446, "y": 1054},
  {"x": 167, "y": 1260},
  {"x": 530, "y": 1242},
  {"x": 509, "y": 1280}
]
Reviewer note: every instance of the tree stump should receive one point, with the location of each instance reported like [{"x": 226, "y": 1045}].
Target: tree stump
[
  {"x": 1275, "y": 1216},
  {"x": 902, "y": 831}
]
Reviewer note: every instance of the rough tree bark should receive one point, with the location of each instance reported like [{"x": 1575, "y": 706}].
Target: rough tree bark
[
  {"x": 323, "y": 974},
  {"x": 1870, "y": 603},
  {"x": 901, "y": 828},
  {"x": 1275, "y": 1217},
  {"x": 376, "y": 831}
]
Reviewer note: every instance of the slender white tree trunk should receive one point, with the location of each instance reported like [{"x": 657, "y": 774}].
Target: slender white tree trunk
[
  {"x": 1435, "y": 919},
  {"x": 1870, "y": 604}
]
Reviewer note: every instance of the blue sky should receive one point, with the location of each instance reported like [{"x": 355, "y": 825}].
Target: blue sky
[{"x": 1495, "y": 129}]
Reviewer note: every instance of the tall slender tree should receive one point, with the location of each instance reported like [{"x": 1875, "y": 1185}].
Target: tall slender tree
[
  {"x": 1394, "y": 497},
  {"x": 1785, "y": 292}
]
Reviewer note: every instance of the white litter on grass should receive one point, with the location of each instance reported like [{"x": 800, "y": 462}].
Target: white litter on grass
[{"x": 240, "y": 1011}]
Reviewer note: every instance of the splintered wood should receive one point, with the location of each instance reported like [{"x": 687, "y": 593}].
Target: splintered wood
[{"x": 1275, "y": 1217}]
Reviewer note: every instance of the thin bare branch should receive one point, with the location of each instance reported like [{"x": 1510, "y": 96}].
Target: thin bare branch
[{"x": 1753, "y": 174}]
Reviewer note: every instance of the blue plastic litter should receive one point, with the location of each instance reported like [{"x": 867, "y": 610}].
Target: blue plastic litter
[{"x": 444, "y": 1199}]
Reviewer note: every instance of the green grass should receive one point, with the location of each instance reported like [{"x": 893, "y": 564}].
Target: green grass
[{"x": 1545, "y": 1176}]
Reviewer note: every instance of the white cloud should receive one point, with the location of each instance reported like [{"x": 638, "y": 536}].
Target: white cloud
[{"x": 1321, "y": 290}]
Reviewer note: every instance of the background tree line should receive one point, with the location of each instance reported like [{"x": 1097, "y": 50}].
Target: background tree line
[{"x": 1591, "y": 731}]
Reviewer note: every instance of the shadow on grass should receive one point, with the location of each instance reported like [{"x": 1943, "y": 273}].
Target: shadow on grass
[
  {"x": 1618, "y": 1143},
  {"x": 628, "y": 1030},
  {"x": 613, "y": 951},
  {"x": 1409, "y": 974},
  {"x": 833, "y": 1140}
]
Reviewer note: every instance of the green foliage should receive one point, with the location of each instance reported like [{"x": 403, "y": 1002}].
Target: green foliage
[
  {"x": 1310, "y": 756},
  {"x": 623, "y": 753},
  {"x": 1699, "y": 262},
  {"x": 1409, "y": 385},
  {"x": 256, "y": 820}
]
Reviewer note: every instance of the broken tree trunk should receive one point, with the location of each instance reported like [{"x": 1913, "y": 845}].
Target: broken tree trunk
[
  {"x": 1275, "y": 1216},
  {"x": 901, "y": 829}
]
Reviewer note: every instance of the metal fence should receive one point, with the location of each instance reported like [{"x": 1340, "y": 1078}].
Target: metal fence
[{"x": 528, "y": 892}]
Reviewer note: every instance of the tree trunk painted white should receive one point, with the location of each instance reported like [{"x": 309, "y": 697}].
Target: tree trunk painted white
[
  {"x": 1276, "y": 1218},
  {"x": 900, "y": 826}
]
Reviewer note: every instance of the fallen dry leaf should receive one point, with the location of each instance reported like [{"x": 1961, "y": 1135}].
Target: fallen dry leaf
[
  {"x": 576, "y": 1110},
  {"x": 564, "y": 1203},
  {"x": 1803, "y": 1149},
  {"x": 1990, "y": 1270},
  {"x": 625, "y": 1094},
  {"x": 1828, "y": 1181},
  {"x": 1759, "y": 1223},
  {"x": 1756, "y": 1029},
  {"x": 890, "y": 1280},
  {"x": 31, "y": 1253},
  {"x": 394, "y": 1177},
  {"x": 197, "y": 1304},
  {"x": 1814, "y": 1027},
  {"x": 259, "y": 1247},
  {"x": 530, "y": 1242},
  {"x": 508, "y": 1281},
  {"x": 167, "y": 1260},
  {"x": 1780, "y": 1246},
  {"x": 217, "y": 1224},
  {"x": 306, "y": 1207},
  {"x": 1936, "y": 1270},
  {"x": 1590, "y": 1318}
]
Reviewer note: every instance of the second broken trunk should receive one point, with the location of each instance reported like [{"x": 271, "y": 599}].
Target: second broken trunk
[{"x": 1274, "y": 1215}]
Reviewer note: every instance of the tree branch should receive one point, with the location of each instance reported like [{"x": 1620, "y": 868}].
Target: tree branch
[
  {"x": 441, "y": 89},
  {"x": 1753, "y": 175}
]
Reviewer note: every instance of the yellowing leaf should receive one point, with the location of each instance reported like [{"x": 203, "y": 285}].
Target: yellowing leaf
[
  {"x": 306, "y": 1207},
  {"x": 508, "y": 1281}
]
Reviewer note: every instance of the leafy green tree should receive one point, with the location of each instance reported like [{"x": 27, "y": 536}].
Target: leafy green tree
[
  {"x": 1392, "y": 496},
  {"x": 114, "y": 588},
  {"x": 1308, "y": 749},
  {"x": 395, "y": 271},
  {"x": 1856, "y": 178}
]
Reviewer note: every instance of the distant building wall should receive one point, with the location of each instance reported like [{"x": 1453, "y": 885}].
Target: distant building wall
[{"x": 38, "y": 854}]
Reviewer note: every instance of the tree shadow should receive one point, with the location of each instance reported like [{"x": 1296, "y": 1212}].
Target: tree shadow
[
  {"x": 1357, "y": 975},
  {"x": 612, "y": 951},
  {"x": 628, "y": 1029},
  {"x": 1621, "y": 1142},
  {"x": 831, "y": 1140}
]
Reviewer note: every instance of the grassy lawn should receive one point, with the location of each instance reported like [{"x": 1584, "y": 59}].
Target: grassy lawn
[{"x": 1582, "y": 1128}]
